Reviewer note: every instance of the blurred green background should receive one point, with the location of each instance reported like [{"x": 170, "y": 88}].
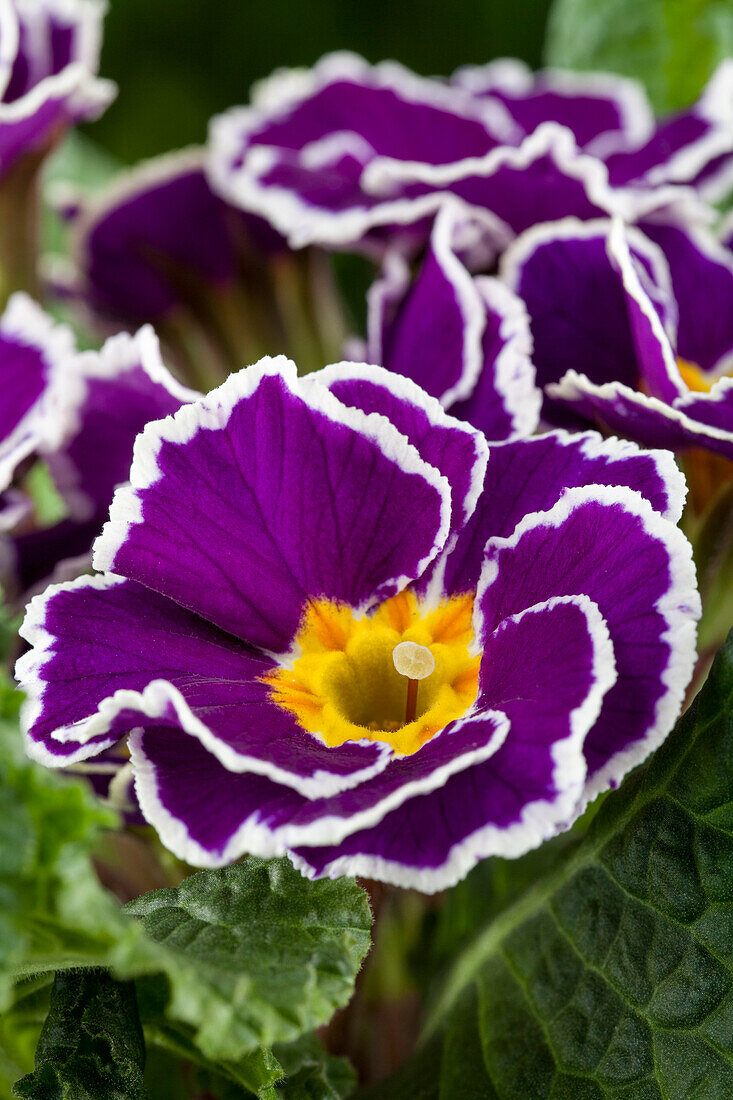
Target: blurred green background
[{"x": 177, "y": 62}]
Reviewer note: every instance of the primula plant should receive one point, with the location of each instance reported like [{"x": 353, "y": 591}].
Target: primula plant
[{"x": 371, "y": 729}]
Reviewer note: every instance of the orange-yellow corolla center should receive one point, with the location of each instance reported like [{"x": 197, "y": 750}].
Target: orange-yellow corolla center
[
  {"x": 343, "y": 684},
  {"x": 694, "y": 378}
]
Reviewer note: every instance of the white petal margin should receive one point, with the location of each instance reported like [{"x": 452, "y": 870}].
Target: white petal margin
[
  {"x": 404, "y": 389},
  {"x": 715, "y": 105},
  {"x": 577, "y": 391},
  {"x": 299, "y": 222},
  {"x": 550, "y": 139},
  {"x": 25, "y": 321},
  {"x": 514, "y": 372},
  {"x": 539, "y": 820},
  {"x": 77, "y": 83},
  {"x": 155, "y": 701},
  {"x": 9, "y": 40},
  {"x": 263, "y": 841},
  {"x": 680, "y": 608},
  {"x": 213, "y": 411},
  {"x": 507, "y": 74},
  {"x": 67, "y": 393}
]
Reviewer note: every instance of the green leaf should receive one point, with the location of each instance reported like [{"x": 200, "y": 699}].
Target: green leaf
[
  {"x": 247, "y": 956},
  {"x": 255, "y": 953},
  {"x": 672, "y": 46},
  {"x": 613, "y": 976},
  {"x": 312, "y": 1073},
  {"x": 91, "y": 1045},
  {"x": 51, "y": 903}
]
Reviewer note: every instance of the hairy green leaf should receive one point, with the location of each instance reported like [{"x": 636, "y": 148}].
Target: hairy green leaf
[
  {"x": 255, "y": 953},
  {"x": 673, "y": 46},
  {"x": 51, "y": 904},
  {"x": 613, "y": 976},
  {"x": 91, "y": 1045}
]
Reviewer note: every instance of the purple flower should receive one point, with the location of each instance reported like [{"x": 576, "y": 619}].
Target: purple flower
[
  {"x": 353, "y": 156},
  {"x": 49, "y": 54},
  {"x": 632, "y": 330},
  {"x": 86, "y": 411},
  {"x": 611, "y": 118},
  {"x": 300, "y": 155},
  {"x": 280, "y": 540},
  {"x": 157, "y": 245},
  {"x": 464, "y": 339}
]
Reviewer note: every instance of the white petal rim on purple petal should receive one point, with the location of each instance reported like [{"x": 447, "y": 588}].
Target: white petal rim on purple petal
[
  {"x": 716, "y": 106},
  {"x": 513, "y": 76},
  {"x": 539, "y": 820},
  {"x": 299, "y": 222},
  {"x": 405, "y": 389},
  {"x": 67, "y": 393},
  {"x": 159, "y": 700},
  {"x": 575, "y": 388},
  {"x": 25, "y": 321},
  {"x": 514, "y": 372},
  {"x": 680, "y": 608},
  {"x": 213, "y": 412}
]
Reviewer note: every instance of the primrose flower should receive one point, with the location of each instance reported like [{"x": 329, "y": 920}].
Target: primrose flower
[
  {"x": 353, "y": 156},
  {"x": 49, "y": 55},
  {"x": 87, "y": 410},
  {"x": 157, "y": 246},
  {"x": 464, "y": 339},
  {"x": 610, "y": 117},
  {"x": 632, "y": 330},
  {"x": 334, "y": 627}
]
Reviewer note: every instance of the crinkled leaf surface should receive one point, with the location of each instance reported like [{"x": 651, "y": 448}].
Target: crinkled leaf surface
[
  {"x": 91, "y": 1045},
  {"x": 673, "y": 46},
  {"x": 255, "y": 953},
  {"x": 613, "y": 977}
]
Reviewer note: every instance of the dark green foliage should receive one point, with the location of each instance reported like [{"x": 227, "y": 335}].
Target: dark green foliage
[{"x": 91, "y": 1046}]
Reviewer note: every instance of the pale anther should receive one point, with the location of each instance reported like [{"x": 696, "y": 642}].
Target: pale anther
[{"x": 413, "y": 660}]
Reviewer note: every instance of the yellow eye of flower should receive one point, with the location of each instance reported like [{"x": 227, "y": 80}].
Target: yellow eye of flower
[
  {"x": 693, "y": 377},
  {"x": 345, "y": 684}
]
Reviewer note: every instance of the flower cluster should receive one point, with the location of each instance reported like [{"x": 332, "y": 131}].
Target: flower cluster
[{"x": 406, "y": 611}]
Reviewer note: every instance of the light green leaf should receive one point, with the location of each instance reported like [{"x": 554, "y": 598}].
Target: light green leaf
[
  {"x": 91, "y": 1045},
  {"x": 254, "y": 953},
  {"x": 613, "y": 976},
  {"x": 672, "y": 46},
  {"x": 312, "y": 1073}
]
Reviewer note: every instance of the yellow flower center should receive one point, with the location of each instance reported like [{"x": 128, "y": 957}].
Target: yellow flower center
[
  {"x": 344, "y": 684},
  {"x": 693, "y": 377}
]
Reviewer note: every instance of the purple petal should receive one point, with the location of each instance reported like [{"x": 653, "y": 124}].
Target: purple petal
[
  {"x": 104, "y": 399},
  {"x": 584, "y": 311},
  {"x": 545, "y": 179},
  {"x": 548, "y": 668},
  {"x": 505, "y": 402},
  {"x": 689, "y": 422},
  {"x": 49, "y": 82},
  {"x": 464, "y": 340},
  {"x": 111, "y": 655},
  {"x": 30, "y": 344},
  {"x": 608, "y": 544},
  {"x": 693, "y": 147},
  {"x": 457, "y": 451},
  {"x": 298, "y": 156},
  {"x": 269, "y": 493},
  {"x": 702, "y": 280},
  {"x": 529, "y": 476},
  {"x": 159, "y": 239},
  {"x": 590, "y": 105}
]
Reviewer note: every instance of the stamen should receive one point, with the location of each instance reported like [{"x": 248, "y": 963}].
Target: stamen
[{"x": 416, "y": 662}]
